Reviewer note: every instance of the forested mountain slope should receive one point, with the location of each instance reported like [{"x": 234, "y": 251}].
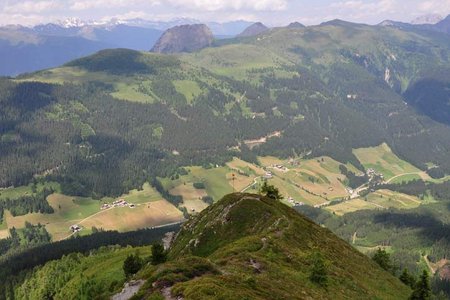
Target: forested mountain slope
[{"x": 321, "y": 90}]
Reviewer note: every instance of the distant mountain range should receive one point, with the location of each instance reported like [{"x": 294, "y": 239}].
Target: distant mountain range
[
  {"x": 28, "y": 49},
  {"x": 430, "y": 23}
]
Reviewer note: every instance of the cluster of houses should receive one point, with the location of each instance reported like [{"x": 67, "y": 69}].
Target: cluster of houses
[
  {"x": 280, "y": 168},
  {"x": 371, "y": 173},
  {"x": 117, "y": 203},
  {"x": 375, "y": 179},
  {"x": 75, "y": 228},
  {"x": 295, "y": 203},
  {"x": 268, "y": 175}
]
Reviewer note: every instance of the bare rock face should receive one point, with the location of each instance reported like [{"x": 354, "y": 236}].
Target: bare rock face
[
  {"x": 184, "y": 38},
  {"x": 254, "y": 29}
]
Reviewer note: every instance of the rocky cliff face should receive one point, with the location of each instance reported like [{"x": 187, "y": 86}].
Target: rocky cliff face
[{"x": 184, "y": 38}]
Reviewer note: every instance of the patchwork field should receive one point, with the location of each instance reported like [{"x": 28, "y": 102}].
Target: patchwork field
[
  {"x": 143, "y": 215},
  {"x": 313, "y": 182},
  {"x": 150, "y": 211}
]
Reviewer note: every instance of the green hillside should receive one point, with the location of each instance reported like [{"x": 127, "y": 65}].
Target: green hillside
[
  {"x": 78, "y": 276},
  {"x": 258, "y": 248},
  {"x": 325, "y": 89}
]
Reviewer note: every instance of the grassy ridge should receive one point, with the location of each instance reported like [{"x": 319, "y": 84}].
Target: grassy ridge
[{"x": 260, "y": 249}]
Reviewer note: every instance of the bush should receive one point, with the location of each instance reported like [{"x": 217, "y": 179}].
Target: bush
[
  {"x": 199, "y": 185},
  {"x": 132, "y": 265},
  {"x": 159, "y": 255},
  {"x": 319, "y": 270},
  {"x": 383, "y": 259},
  {"x": 208, "y": 199}
]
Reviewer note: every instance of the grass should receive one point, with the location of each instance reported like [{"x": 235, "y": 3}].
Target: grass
[
  {"x": 235, "y": 60},
  {"x": 321, "y": 177},
  {"x": 406, "y": 178},
  {"x": 131, "y": 93},
  {"x": 192, "y": 197},
  {"x": 188, "y": 88},
  {"x": 351, "y": 206},
  {"x": 102, "y": 270},
  {"x": 214, "y": 179},
  {"x": 381, "y": 199},
  {"x": 142, "y": 216},
  {"x": 17, "y": 192},
  {"x": 384, "y": 161},
  {"x": 263, "y": 250},
  {"x": 390, "y": 199},
  {"x": 147, "y": 194}
]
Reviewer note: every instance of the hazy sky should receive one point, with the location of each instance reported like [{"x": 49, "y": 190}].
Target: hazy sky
[{"x": 272, "y": 12}]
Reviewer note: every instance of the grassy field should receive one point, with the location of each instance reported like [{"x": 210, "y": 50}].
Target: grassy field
[
  {"x": 351, "y": 206},
  {"x": 147, "y": 194},
  {"x": 384, "y": 161},
  {"x": 214, "y": 179},
  {"x": 235, "y": 60},
  {"x": 188, "y": 88},
  {"x": 406, "y": 178},
  {"x": 151, "y": 214},
  {"x": 381, "y": 199},
  {"x": 316, "y": 180},
  {"x": 389, "y": 199},
  {"x": 68, "y": 211},
  {"x": 192, "y": 197},
  {"x": 16, "y": 192}
]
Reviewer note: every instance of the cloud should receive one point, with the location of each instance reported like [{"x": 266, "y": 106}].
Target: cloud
[
  {"x": 382, "y": 6},
  {"x": 436, "y": 6},
  {"x": 80, "y": 5},
  {"x": 224, "y": 5},
  {"x": 32, "y": 7}
]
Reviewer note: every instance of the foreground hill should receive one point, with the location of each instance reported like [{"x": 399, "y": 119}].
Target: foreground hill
[{"x": 258, "y": 248}]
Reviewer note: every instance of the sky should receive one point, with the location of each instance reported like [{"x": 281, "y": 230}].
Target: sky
[{"x": 271, "y": 12}]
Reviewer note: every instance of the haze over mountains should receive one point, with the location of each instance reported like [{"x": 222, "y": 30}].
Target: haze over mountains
[
  {"x": 28, "y": 49},
  {"x": 49, "y": 45}
]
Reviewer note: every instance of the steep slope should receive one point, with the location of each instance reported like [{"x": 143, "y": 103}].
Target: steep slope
[
  {"x": 184, "y": 38},
  {"x": 258, "y": 248},
  {"x": 254, "y": 29}
]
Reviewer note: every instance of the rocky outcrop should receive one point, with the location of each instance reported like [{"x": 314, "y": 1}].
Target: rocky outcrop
[{"x": 184, "y": 38}]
